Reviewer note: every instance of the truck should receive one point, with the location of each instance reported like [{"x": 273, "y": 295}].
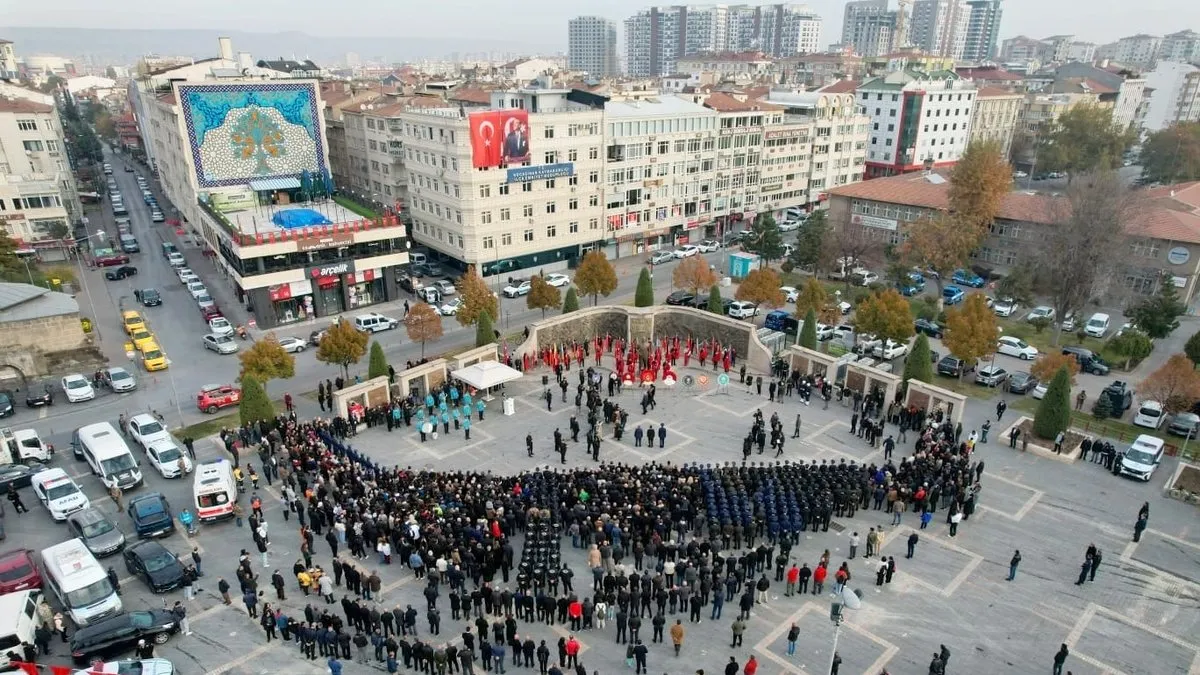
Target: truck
[{"x": 23, "y": 445}]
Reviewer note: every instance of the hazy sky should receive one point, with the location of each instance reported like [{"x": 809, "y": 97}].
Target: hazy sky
[{"x": 540, "y": 21}]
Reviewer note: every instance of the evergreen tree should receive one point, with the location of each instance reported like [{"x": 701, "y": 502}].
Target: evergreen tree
[
  {"x": 485, "y": 334},
  {"x": 808, "y": 333},
  {"x": 1054, "y": 411},
  {"x": 255, "y": 405},
  {"x": 716, "y": 304},
  {"x": 918, "y": 366},
  {"x": 1103, "y": 408},
  {"x": 1158, "y": 315},
  {"x": 571, "y": 302},
  {"x": 377, "y": 365},
  {"x": 644, "y": 295}
]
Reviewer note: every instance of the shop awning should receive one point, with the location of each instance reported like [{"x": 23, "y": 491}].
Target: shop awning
[
  {"x": 275, "y": 184},
  {"x": 486, "y": 374}
]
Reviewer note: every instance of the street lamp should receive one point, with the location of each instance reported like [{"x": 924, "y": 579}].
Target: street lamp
[
  {"x": 83, "y": 278},
  {"x": 849, "y": 600}
]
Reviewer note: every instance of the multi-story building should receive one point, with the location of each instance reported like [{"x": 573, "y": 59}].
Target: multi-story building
[
  {"x": 525, "y": 70},
  {"x": 1055, "y": 49},
  {"x": 916, "y": 118},
  {"x": 813, "y": 71},
  {"x": 940, "y": 27},
  {"x": 8, "y": 61},
  {"x": 513, "y": 186},
  {"x": 375, "y": 147},
  {"x": 656, "y": 38},
  {"x": 1174, "y": 95},
  {"x": 741, "y": 160},
  {"x": 1082, "y": 52},
  {"x": 1183, "y": 46},
  {"x": 870, "y": 33},
  {"x": 983, "y": 28},
  {"x": 240, "y": 180},
  {"x": 1021, "y": 48},
  {"x": 1129, "y": 88},
  {"x": 338, "y": 97},
  {"x": 1042, "y": 109},
  {"x": 38, "y": 198},
  {"x": 745, "y": 65},
  {"x": 995, "y": 116},
  {"x": 1137, "y": 51},
  {"x": 855, "y": 9},
  {"x": 592, "y": 46}
]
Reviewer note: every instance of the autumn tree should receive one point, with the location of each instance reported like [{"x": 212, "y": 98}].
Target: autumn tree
[
  {"x": 1084, "y": 241},
  {"x": 267, "y": 360},
  {"x": 255, "y": 406},
  {"x": 1050, "y": 363},
  {"x": 342, "y": 345},
  {"x": 980, "y": 180},
  {"x": 1176, "y": 384},
  {"x": 643, "y": 294},
  {"x": 542, "y": 295},
  {"x": 810, "y": 242},
  {"x": 596, "y": 276},
  {"x": 1158, "y": 315},
  {"x": 476, "y": 297},
  {"x": 765, "y": 239},
  {"x": 423, "y": 324},
  {"x": 485, "y": 333},
  {"x": 1172, "y": 155},
  {"x": 716, "y": 304},
  {"x": 571, "y": 302},
  {"x": 808, "y": 332},
  {"x": 1082, "y": 140},
  {"x": 812, "y": 297},
  {"x": 886, "y": 315},
  {"x": 1054, "y": 410},
  {"x": 377, "y": 365},
  {"x": 918, "y": 365},
  {"x": 940, "y": 243},
  {"x": 1192, "y": 347},
  {"x": 692, "y": 274},
  {"x": 761, "y": 287},
  {"x": 971, "y": 329}
]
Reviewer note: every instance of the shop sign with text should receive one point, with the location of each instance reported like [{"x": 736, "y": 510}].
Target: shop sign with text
[
  {"x": 331, "y": 269},
  {"x": 324, "y": 241}
]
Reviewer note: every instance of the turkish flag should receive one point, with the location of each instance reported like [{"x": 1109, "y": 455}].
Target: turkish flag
[{"x": 487, "y": 139}]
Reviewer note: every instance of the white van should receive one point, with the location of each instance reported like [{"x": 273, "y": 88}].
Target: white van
[
  {"x": 214, "y": 491},
  {"x": 1142, "y": 457},
  {"x": 79, "y": 583},
  {"x": 18, "y": 620},
  {"x": 107, "y": 454},
  {"x": 1097, "y": 326},
  {"x": 373, "y": 322},
  {"x": 1150, "y": 414}
]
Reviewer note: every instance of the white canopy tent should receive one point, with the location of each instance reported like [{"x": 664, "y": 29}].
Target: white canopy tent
[{"x": 486, "y": 374}]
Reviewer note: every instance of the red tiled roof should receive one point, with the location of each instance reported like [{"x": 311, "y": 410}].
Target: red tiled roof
[
  {"x": 23, "y": 106},
  {"x": 841, "y": 87},
  {"x": 722, "y": 102},
  {"x": 471, "y": 95}
]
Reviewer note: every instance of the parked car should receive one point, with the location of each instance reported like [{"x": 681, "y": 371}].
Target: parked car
[
  {"x": 743, "y": 310},
  {"x": 1014, "y": 346},
  {"x": 968, "y": 278},
  {"x": 149, "y": 297},
  {"x": 790, "y": 293},
  {"x": 866, "y": 278},
  {"x": 168, "y": 459},
  {"x": 1120, "y": 397},
  {"x": 97, "y": 531},
  {"x": 450, "y": 308},
  {"x": 1039, "y": 390},
  {"x": 146, "y": 429},
  {"x": 292, "y": 345},
  {"x": 213, "y": 397},
  {"x": 930, "y": 328},
  {"x": 889, "y": 350},
  {"x": 1150, "y": 414},
  {"x": 913, "y": 284},
  {"x": 1005, "y": 307},
  {"x": 1040, "y": 312},
  {"x": 121, "y": 633},
  {"x": 122, "y": 272},
  {"x": 78, "y": 388},
  {"x": 220, "y": 325},
  {"x": 1089, "y": 361},
  {"x": 991, "y": 376},
  {"x": 221, "y": 344},
  {"x": 445, "y": 287},
  {"x": 1021, "y": 382},
  {"x": 151, "y": 515},
  {"x": 558, "y": 280},
  {"x": 154, "y": 564},
  {"x": 709, "y": 246},
  {"x": 681, "y": 298},
  {"x": 119, "y": 380},
  {"x": 952, "y": 295},
  {"x": 1184, "y": 424},
  {"x": 1069, "y": 323},
  {"x": 660, "y": 257},
  {"x": 18, "y": 475},
  {"x": 686, "y": 251},
  {"x": 952, "y": 366},
  {"x": 824, "y": 332},
  {"x": 517, "y": 288},
  {"x": 1143, "y": 457},
  {"x": 36, "y": 397},
  {"x": 19, "y": 572}
]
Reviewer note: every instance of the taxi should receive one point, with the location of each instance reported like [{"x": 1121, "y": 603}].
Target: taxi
[
  {"x": 132, "y": 321},
  {"x": 153, "y": 357},
  {"x": 141, "y": 337},
  {"x": 213, "y": 397}
]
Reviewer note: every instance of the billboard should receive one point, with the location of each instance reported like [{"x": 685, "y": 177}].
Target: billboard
[
  {"x": 522, "y": 174},
  {"x": 253, "y": 130},
  {"x": 499, "y": 137},
  {"x": 237, "y": 200}
]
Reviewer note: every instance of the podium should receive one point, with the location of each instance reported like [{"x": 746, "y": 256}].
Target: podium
[{"x": 510, "y": 406}]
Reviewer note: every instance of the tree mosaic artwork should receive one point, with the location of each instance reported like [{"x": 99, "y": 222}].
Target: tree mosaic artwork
[{"x": 256, "y": 136}]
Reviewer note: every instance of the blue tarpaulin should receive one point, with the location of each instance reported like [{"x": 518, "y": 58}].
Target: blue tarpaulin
[{"x": 293, "y": 218}]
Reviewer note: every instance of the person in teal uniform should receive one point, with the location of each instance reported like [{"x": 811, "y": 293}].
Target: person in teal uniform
[
  {"x": 445, "y": 422},
  {"x": 466, "y": 425},
  {"x": 479, "y": 408},
  {"x": 456, "y": 415}
]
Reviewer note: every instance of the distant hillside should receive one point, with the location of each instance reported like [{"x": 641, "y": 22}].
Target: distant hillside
[{"x": 126, "y": 46}]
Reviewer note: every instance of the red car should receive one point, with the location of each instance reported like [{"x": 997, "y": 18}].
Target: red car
[
  {"x": 210, "y": 313},
  {"x": 18, "y": 571},
  {"x": 213, "y": 397},
  {"x": 106, "y": 257}
]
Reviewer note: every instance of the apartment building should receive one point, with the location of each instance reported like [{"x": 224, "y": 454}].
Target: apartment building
[
  {"x": 1128, "y": 88},
  {"x": 1174, "y": 95},
  {"x": 515, "y": 186},
  {"x": 940, "y": 27},
  {"x": 742, "y": 65},
  {"x": 982, "y": 30},
  {"x": 38, "y": 197},
  {"x": 836, "y": 149},
  {"x": 592, "y": 46},
  {"x": 1183, "y": 47},
  {"x": 1136, "y": 51},
  {"x": 995, "y": 116},
  {"x": 916, "y": 118},
  {"x": 375, "y": 148}
]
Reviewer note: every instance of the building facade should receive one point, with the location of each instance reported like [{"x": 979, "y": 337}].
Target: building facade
[
  {"x": 1021, "y": 48},
  {"x": 871, "y": 33},
  {"x": 983, "y": 30},
  {"x": 38, "y": 197},
  {"x": 1183, "y": 46},
  {"x": 995, "y": 116},
  {"x": 1174, "y": 95},
  {"x": 539, "y": 212},
  {"x": 940, "y": 27},
  {"x": 1137, "y": 51},
  {"x": 592, "y": 46},
  {"x": 916, "y": 118},
  {"x": 8, "y": 61},
  {"x": 745, "y": 65}
]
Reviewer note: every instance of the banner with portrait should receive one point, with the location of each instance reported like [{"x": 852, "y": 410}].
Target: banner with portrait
[{"x": 499, "y": 138}]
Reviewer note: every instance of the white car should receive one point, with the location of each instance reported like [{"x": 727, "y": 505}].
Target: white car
[
  {"x": 1005, "y": 307},
  {"x": 120, "y": 380},
  {"x": 889, "y": 350},
  {"x": 221, "y": 344},
  {"x": 824, "y": 332},
  {"x": 709, "y": 246},
  {"x": 517, "y": 288},
  {"x": 1040, "y": 312},
  {"x": 220, "y": 326},
  {"x": 449, "y": 308},
  {"x": 58, "y": 493},
  {"x": 1039, "y": 392},
  {"x": 789, "y": 226},
  {"x": 189, "y": 278},
  {"x": 145, "y": 429},
  {"x": 743, "y": 310},
  {"x": 205, "y": 301},
  {"x": 176, "y": 259},
  {"x": 166, "y": 456},
  {"x": 1014, "y": 346},
  {"x": 558, "y": 280},
  {"x": 78, "y": 388},
  {"x": 184, "y": 272},
  {"x": 1150, "y": 414},
  {"x": 867, "y": 278},
  {"x": 844, "y": 332},
  {"x": 445, "y": 287},
  {"x": 844, "y": 308},
  {"x": 292, "y": 345},
  {"x": 686, "y": 251},
  {"x": 790, "y": 293},
  {"x": 197, "y": 289}
]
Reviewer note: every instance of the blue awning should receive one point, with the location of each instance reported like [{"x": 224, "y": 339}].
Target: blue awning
[{"x": 274, "y": 184}]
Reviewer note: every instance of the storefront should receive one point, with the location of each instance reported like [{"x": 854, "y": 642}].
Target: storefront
[
  {"x": 329, "y": 286},
  {"x": 291, "y": 303},
  {"x": 365, "y": 288}
]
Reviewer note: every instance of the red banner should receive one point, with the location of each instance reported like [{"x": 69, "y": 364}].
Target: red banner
[
  {"x": 33, "y": 669},
  {"x": 499, "y": 137},
  {"x": 280, "y": 292}
]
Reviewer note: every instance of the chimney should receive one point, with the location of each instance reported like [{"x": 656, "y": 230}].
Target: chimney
[
  {"x": 244, "y": 61},
  {"x": 225, "y": 47}
]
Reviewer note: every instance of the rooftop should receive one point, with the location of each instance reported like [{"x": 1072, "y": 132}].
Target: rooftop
[
  {"x": 23, "y": 106},
  {"x": 24, "y": 302},
  {"x": 722, "y": 102},
  {"x": 728, "y": 56},
  {"x": 841, "y": 87},
  {"x": 471, "y": 95},
  {"x": 255, "y": 221},
  {"x": 653, "y": 107},
  {"x": 988, "y": 73},
  {"x": 996, "y": 92},
  {"x": 287, "y": 65}
]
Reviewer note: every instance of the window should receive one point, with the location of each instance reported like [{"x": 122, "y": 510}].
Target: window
[
  {"x": 370, "y": 123},
  {"x": 572, "y": 155},
  {"x": 1146, "y": 248},
  {"x": 550, "y": 158},
  {"x": 527, "y": 210},
  {"x": 485, "y": 217},
  {"x": 593, "y": 223},
  {"x": 27, "y": 125},
  {"x": 504, "y": 189},
  {"x": 528, "y": 236},
  {"x": 505, "y": 214},
  {"x": 489, "y": 242},
  {"x": 548, "y": 132},
  {"x": 573, "y": 180},
  {"x": 506, "y": 239},
  {"x": 527, "y": 186},
  {"x": 593, "y": 200},
  {"x": 52, "y": 146},
  {"x": 485, "y": 191},
  {"x": 573, "y": 227},
  {"x": 33, "y": 146},
  {"x": 593, "y": 177},
  {"x": 551, "y": 231},
  {"x": 573, "y": 204},
  {"x": 550, "y": 184},
  {"x": 593, "y": 153},
  {"x": 551, "y": 207}
]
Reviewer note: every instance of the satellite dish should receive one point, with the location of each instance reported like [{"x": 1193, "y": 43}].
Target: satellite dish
[{"x": 851, "y": 599}]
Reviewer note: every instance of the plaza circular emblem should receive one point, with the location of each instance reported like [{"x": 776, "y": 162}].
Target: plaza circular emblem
[
  {"x": 723, "y": 379},
  {"x": 1179, "y": 255}
]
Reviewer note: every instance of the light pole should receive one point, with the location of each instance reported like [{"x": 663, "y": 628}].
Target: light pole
[
  {"x": 175, "y": 393},
  {"x": 83, "y": 279},
  {"x": 851, "y": 600}
]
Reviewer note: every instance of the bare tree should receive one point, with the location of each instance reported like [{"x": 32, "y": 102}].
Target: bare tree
[
  {"x": 847, "y": 240},
  {"x": 1084, "y": 240}
]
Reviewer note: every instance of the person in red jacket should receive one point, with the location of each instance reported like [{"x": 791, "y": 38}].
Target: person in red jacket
[
  {"x": 819, "y": 579},
  {"x": 575, "y": 613},
  {"x": 751, "y": 666},
  {"x": 572, "y": 652},
  {"x": 793, "y": 577}
]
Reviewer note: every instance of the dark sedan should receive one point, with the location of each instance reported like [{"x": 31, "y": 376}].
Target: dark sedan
[
  {"x": 38, "y": 397},
  {"x": 151, "y": 515},
  {"x": 930, "y": 328},
  {"x": 154, "y": 564},
  {"x": 6, "y": 404},
  {"x": 18, "y": 475},
  {"x": 121, "y": 633},
  {"x": 122, "y": 272},
  {"x": 681, "y": 298},
  {"x": 1021, "y": 382},
  {"x": 148, "y": 297}
]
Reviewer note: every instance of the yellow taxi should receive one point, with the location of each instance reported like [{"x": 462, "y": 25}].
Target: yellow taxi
[
  {"x": 132, "y": 322},
  {"x": 153, "y": 357},
  {"x": 140, "y": 338}
]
